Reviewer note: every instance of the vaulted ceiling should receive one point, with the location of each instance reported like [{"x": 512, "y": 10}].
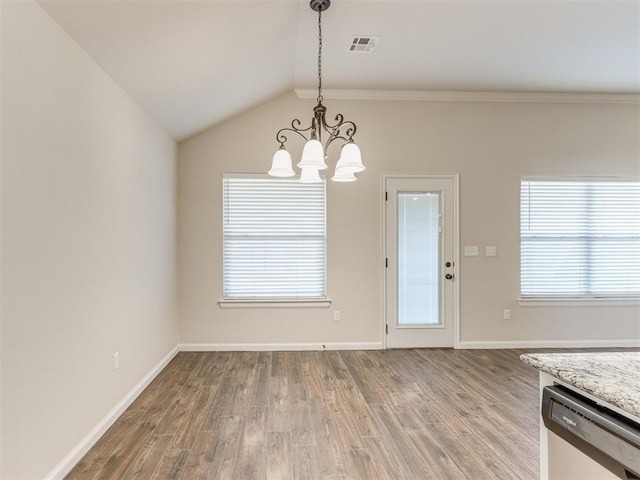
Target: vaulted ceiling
[{"x": 192, "y": 64}]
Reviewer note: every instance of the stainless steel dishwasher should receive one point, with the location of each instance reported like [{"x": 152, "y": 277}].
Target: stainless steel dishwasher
[{"x": 602, "y": 434}]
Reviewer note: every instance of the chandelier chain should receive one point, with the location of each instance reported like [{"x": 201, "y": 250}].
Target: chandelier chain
[{"x": 319, "y": 55}]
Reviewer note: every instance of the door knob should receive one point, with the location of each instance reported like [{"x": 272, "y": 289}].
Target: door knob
[
  {"x": 448, "y": 264},
  {"x": 449, "y": 276}
]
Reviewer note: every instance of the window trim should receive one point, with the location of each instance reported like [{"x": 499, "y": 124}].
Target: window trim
[
  {"x": 586, "y": 300},
  {"x": 260, "y": 303},
  {"x": 578, "y": 301}
]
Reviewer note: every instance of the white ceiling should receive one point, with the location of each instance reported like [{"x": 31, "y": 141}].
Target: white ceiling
[{"x": 192, "y": 64}]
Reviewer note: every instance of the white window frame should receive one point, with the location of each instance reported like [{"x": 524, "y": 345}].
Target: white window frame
[
  {"x": 230, "y": 301},
  {"x": 536, "y": 300}
]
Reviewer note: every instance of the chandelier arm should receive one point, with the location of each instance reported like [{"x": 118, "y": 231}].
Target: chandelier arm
[
  {"x": 334, "y": 132},
  {"x": 282, "y": 138},
  {"x": 295, "y": 126},
  {"x": 332, "y": 138},
  {"x": 336, "y": 136},
  {"x": 339, "y": 121},
  {"x": 351, "y": 130}
]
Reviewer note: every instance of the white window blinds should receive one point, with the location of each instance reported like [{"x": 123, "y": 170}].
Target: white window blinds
[
  {"x": 274, "y": 238},
  {"x": 580, "y": 238}
]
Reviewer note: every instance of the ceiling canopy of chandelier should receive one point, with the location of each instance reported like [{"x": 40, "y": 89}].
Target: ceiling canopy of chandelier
[{"x": 313, "y": 154}]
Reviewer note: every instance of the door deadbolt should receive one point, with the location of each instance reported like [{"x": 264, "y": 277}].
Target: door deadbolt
[
  {"x": 448, "y": 276},
  {"x": 448, "y": 264}
]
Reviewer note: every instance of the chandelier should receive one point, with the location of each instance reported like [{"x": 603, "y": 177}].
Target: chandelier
[{"x": 313, "y": 154}]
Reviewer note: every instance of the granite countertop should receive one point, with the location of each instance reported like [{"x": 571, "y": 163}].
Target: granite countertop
[{"x": 610, "y": 376}]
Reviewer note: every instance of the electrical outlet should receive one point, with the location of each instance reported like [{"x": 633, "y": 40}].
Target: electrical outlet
[
  {"x": 116, "y": 361},
  {"x": 336, "y": 315},
  {"x": 507, "y": 314}
]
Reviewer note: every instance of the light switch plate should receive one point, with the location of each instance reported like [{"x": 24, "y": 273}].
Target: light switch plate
[
  {"x": 492, "y": 251},
  {"x": 471, "y": 251}
]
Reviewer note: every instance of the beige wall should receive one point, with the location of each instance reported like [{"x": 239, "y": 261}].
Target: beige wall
[
  {"x": 88, "y": 243},
  {"x": 88, "y": 214},
  {"x": 491, "y": 145}
]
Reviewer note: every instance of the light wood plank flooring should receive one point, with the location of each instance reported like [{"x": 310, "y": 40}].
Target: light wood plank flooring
[{"x": 397, "y": 414}]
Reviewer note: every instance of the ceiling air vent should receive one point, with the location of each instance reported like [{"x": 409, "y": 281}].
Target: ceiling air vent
[{"x": 363, "y": 44}]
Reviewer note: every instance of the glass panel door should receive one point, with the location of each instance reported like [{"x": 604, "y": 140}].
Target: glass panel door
[
  {"x": 418, "y": 259},
  {"x": 421, "y": 225}
]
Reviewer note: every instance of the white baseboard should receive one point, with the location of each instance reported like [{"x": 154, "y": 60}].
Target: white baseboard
[
  {"x": 275, "y": 347},
  {"x": 65, "y": 466},
  {"x": 552, "y": 344}
]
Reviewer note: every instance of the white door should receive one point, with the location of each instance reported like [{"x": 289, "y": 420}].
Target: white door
[{"x": 421, "y": 261}]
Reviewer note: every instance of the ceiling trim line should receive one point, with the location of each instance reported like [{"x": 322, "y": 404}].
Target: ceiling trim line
[{"x": 442, "y": 96}]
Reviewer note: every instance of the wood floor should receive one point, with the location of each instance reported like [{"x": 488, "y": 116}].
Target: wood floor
[{"x": 396, "y": 414}]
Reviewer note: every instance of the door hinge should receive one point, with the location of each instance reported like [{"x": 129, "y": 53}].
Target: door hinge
[
  {"x": 386, "y": 329},
  {"x": 386, "y": 196},
  {"x": 386, "y": 263}
]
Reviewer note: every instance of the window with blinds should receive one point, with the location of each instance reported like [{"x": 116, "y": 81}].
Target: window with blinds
[
  {"x": 580, "y": 239},
  {"x": 274, "y": 238}
]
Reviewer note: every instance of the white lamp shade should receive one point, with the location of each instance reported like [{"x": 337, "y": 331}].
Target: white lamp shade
[
  {"x": 313, "y": 155},
  {"x": 281, "y": 165},
  {"x": 310, "y": 175},
  {"x": 350, "y": 159},
  {"x": 343, "y": 176}
]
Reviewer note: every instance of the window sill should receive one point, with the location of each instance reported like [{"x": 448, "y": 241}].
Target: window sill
[
  {"x": 579, "y": 302},
  {"x": 294, "y": 303}
]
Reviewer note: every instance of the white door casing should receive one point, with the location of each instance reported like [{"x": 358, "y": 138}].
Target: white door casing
[{"x": 421, "y": 261}]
